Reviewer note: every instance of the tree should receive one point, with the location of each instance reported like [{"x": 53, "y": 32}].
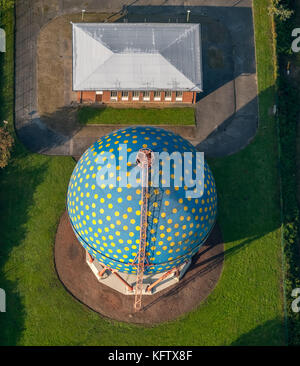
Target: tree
[
  {"x": 6, "y": 4},
  {"x": 6, "y": 143},
  {"x": 280, "y": 10}
]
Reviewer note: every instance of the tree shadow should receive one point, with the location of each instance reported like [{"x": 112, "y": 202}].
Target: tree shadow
[
  {"x": 15, "y": 207},
  {"x": 270, "y": 333}
]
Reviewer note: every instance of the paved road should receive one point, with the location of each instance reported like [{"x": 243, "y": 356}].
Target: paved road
[{"x": 227, "y": 112}]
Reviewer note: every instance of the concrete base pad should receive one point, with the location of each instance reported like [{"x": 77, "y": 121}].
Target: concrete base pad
[{"x": 165, "y": 305}]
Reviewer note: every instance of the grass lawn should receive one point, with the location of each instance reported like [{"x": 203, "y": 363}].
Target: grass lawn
[
  {"x": 244, "y": 309},
  {"x": 133, "y": 116}
]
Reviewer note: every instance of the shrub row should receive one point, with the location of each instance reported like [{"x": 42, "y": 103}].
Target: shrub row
[{"x": 288, "y": 115}]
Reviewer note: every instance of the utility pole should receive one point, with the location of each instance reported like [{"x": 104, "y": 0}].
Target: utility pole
[{"x": 82, "y": 14}]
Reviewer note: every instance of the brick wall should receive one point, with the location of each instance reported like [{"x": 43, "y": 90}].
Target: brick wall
[{"x": 90, "y": 97}]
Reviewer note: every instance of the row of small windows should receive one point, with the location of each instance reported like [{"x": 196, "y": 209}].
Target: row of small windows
[{"x": 146, "y": 95}]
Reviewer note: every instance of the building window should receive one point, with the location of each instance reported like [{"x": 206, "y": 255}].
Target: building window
[
  {"x": 146, "y": 95},
  {"x": 179, "y": 96},
  {"x": 168, "y": 95},
  {"x": 124, "y": 95},
  {"x": 157, "y": 95},
  {"x": 135, "y": 95},
  {"x": 114, "y": 95}
]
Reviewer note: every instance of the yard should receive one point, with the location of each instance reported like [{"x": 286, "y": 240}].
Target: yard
[
  {"x": 133, "y": 116},
  {"x": 246, "y": 308}
]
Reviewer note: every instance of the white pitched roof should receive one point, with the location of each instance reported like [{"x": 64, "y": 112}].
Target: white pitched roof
[{"x": 136, "y": 56}]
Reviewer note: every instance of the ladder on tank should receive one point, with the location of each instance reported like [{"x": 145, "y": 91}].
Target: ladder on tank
[{"x": 144, "y": 160}]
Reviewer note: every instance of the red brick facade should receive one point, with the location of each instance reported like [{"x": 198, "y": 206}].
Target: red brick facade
[{"x": 105, "y": 97}]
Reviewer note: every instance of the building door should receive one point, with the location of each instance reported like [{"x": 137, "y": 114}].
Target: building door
[{"x": 98, "y": 98}]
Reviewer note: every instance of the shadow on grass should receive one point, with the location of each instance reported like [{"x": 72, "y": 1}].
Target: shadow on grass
[
  {"x": 16, "y": 202},
  {"x": 263, "y": 335}
]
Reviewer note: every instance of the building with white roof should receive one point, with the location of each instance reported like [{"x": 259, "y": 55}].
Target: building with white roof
[{"x": 137, "y": 62}]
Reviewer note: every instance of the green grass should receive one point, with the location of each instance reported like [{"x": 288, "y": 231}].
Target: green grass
[
  {"x": 244, "y": 309},
  {"x": 133, "y": 116}
]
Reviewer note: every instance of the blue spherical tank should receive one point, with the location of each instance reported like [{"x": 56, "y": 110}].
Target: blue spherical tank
[{"x": 104, "y": 200}]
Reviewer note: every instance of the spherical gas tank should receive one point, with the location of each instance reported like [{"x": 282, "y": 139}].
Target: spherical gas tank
[{"x": 105, "y": 200}]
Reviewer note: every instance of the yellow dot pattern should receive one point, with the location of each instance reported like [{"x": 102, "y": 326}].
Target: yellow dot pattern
[{"x": 106, "y": 217}]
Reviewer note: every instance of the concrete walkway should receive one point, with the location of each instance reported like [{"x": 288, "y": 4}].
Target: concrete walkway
[{"x": 227, "y": 113}]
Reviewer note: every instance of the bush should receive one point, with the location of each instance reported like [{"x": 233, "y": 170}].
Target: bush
[
  {"x": 6, "y": 143},
  {"x": 280, "y": 10},
  {"x": 288, "y": 112},
  {"x": 6, "y": 4}
]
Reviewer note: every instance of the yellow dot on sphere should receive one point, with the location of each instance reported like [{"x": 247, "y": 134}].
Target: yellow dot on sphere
[
  {"x": 138, "y": 212},
  {"x": 129, "y": 198},
  {"x": 117, "y": 213},
  {"x": 120, "y": 199}
]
